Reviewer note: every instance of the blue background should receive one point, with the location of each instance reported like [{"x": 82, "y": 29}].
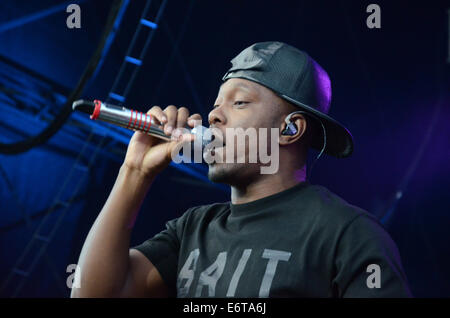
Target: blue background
[{"x": 390, "y": 88}]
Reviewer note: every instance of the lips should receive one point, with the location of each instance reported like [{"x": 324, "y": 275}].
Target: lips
[
  {"x": 216, "y": 138},
  {"x": 212, "y": 149},
  {"x": 217, "y": 144},
  {"x": 209, "y": 153}
]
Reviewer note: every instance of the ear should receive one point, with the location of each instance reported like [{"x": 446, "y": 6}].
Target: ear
[{"x": 300, "y": 123}]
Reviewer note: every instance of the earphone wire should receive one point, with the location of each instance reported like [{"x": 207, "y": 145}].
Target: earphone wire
[{"x": 321, "y": 151}]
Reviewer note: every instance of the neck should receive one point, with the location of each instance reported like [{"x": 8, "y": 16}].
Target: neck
[{"x": 267, "y": 185}]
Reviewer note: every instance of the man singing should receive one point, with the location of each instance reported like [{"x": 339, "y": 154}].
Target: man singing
[{"x": 279, "y": 236}]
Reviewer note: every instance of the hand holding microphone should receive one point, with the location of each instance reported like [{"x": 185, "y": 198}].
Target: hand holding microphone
[{"x": 158, "y": 132}]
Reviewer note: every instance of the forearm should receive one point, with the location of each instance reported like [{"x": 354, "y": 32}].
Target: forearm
[{"x": 104, "y": 258}]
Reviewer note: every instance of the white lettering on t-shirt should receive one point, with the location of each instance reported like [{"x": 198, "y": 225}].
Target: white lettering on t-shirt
[
  {"x": 274, "y": 256},
  {"x": 211, "y": 275},
  {"x": 187, "y": 272},
  {"x": 238, "y": 272}
]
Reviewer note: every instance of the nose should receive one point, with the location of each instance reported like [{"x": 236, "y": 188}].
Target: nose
[{"x": 215, "y": 117}]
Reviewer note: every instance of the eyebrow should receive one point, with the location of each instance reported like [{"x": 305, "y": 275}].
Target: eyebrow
[
  {"x": 239, "y": 85},
  {"x": 242, "y": 85}
]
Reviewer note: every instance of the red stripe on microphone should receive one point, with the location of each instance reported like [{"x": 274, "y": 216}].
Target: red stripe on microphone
[
  {"x": 96, "y": 113},
  {"x": 135, "y": 120},
  {"x": 131, "y": 118},
  {"x": 140, "y": 119}
]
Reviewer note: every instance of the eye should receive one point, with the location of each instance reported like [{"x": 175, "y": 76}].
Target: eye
[{"x": 240, "y": 103}]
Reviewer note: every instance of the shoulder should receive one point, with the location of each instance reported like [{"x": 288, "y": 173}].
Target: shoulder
[
  {"x": 328, "y": 204},
  {"x": 353, "y": 229},
  {"x": 335, "y": 216},
  {"x": 352, "y": 222}
]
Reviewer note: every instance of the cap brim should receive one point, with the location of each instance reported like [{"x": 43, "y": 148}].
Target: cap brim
[{"x": 339, "y": 141}]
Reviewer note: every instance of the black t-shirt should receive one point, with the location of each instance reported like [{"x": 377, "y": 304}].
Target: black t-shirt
[{"x": 301, "y": 242}]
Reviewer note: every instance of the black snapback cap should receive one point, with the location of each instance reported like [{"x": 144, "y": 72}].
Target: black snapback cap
[{"x": 294, "y": 76}]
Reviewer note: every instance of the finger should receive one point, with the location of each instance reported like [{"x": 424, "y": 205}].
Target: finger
[
  {"x": 171, "y": 113},
  {"x": 145, "y": 139},
  {"x": 175, "y": 146},
  {"x": 195, "y": 119},
  {"x": 182, "y": 116},
  {"x": 186, "y": 138},
  {"x": 158, "y": 113}
]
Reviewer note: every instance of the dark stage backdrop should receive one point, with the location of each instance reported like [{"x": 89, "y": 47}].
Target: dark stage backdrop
[{"x": 390, "y": 88}]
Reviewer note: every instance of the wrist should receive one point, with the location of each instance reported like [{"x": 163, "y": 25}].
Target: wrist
[
  {"x": 137, "y": 174},
  {"x": 134, "y": 181},
  {"x": 132, "y": 184}
]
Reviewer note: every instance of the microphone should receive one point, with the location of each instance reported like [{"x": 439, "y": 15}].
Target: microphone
[{"x": 133, "y": 119}]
